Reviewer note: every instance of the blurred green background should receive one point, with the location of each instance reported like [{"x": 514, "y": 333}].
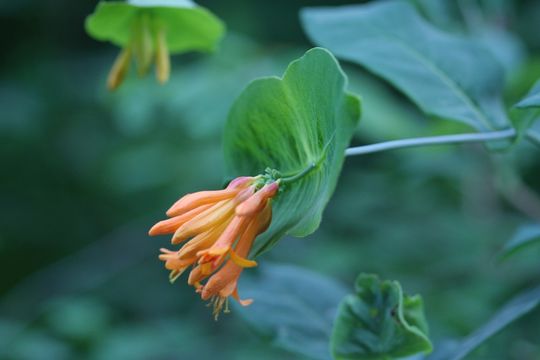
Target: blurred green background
[{"x": 86, "y": 172}]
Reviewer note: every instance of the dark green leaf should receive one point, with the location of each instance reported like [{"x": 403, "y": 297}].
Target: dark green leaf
[
  {"x": 517, "y": 307},
  {"x": 447, "y": 76},
  {"x": 525, "y": 236},
  {"x": 379, "y": 322},
  {"x": 528, "y": 123},
  {"x": 187, "y": 26},
  {"x": 533, "y": 134},
  {"x": 304, "y": 120},
  {"x": 294, "y": 308},
  {"x": 532, "y": 99}
]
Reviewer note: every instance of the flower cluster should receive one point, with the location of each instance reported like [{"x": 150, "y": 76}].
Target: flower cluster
[
  {"x": 220, "y": 227},
  {"x": 147, "y": 45}
]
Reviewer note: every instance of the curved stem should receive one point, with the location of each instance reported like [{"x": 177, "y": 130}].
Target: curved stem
[
  {"x": 311, "y": 166},
  {"x": 301, "y": 174},
  {"x": 431, "y": 140}
]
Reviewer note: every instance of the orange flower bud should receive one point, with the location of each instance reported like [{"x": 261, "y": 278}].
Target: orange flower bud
[
  {"x": 163, "y": 62},
  {"x": 192, "y": 201},
  {"x": 257, "y": 202},
  {"x": 171, "y": 225},
  {"x": 119, "y": 69}
]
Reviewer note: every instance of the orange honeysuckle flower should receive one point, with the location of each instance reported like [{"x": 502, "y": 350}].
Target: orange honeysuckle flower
[{"x": 219, "y": 228}]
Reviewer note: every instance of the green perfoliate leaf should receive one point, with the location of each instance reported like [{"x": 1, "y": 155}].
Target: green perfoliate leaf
[
  {"x": 187, "y": 26},
  {"x": 448, "y": 77},
  {"x": 303, "y": 121},
  {"x": 525, "y": 236},
  {"x": 379, "y": 322}
]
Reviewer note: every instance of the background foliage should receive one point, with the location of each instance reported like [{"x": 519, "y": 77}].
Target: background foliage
[{"x": 85, "y": 173}]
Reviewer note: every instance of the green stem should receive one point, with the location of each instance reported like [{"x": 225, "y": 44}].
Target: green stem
[
  {"x": 404, "y": 143},
  {"x": 311, "y": 166},
  {"x": 432, "y": 140},
  {"x": 298, "y": 176}
]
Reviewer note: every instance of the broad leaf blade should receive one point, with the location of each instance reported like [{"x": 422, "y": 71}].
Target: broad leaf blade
[
  {"x": 379, "y": 322},
  {"x": 289, "y": 124},
  {"x": 525, "y": 236},
  {"x": 293, "y": 308},
  {"x": 188, "y": 26},
  {"x": 163, "y": 3},
  {"x": 112, "y": 22},
  {"x": 446, "y": 76}
]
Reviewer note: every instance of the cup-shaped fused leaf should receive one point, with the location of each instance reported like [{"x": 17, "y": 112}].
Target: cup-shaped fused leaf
[
  {"x": 301, "y": 121},
  {"x": 447, "y": 76},
  {"x": 379, "y": 322},
  {"x": 187, "y": 25}
]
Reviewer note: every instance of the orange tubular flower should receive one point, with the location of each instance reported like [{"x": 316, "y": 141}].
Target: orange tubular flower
[{"x": 219, "y": 227}]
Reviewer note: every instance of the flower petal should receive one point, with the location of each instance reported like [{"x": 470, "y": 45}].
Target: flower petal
[
  {"x": 257, "y": 202},
  {"x": 217, "y": 282},
  {"x": 163, "y": 61},
  {"x": 265, "y": 217},
  {"x": 191, "y": 201},
  {"x": 213, "y": 216},
  {"x": 119, "y": 69},
  {"x": 245, "y": 302},
  {"x": 196, "y": 276},
  {"x": 229, "y": 236},
  {"x": 178, "y": 264},
  {"x": 241, "y": 261},
  {"x": 201, "y": 242},
  {"x": 240, "y": 182},
  {"x": 171, "y": 225}
]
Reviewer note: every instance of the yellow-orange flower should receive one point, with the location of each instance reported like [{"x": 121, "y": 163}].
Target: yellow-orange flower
[{"x": 220, "y": 227}]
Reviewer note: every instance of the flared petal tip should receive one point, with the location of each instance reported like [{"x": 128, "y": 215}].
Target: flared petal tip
[{"x": 245, "y": 302}]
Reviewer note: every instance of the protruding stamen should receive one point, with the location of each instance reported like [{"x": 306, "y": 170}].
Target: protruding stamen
[
  {"x": 175, "y": 274},
  {"x": 218, "y": 305},
  {"x": 227, "y": 310}
]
